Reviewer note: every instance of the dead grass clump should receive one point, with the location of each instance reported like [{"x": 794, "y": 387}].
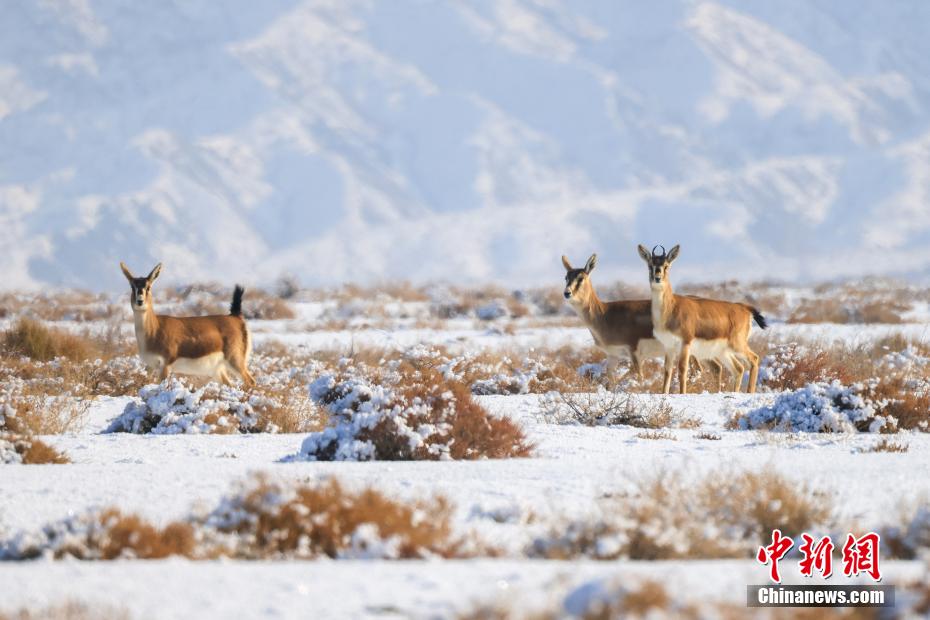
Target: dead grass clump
[
  {"x": 708, "y": 436},
  {"x": 406, "y": 410},
  {"x": 262, "y": 521},
  {"x": 268, "y": 521},
  {"x": 612, "y": 408},
  {"x": 33, "y": 339},
  {"x": 258, "y": 304},
  {"x": 723, "y": 515},
  {"x": 28, "y": 450},
  {"x": 71, "y": 610},
  {"x": 888, "y": 445},
  {"x": 655, "y": 435}
]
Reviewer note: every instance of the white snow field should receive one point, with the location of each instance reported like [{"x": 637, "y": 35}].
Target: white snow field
[{"x": 507, "y": 503}]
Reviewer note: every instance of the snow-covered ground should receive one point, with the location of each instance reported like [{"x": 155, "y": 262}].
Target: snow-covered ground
[{"x": 505, "y": 502}]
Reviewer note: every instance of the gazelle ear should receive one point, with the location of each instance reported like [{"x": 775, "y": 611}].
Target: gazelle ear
[
  {"x": 645, "y": 254},
  {"x": 126, "y": 271},
  {"x": 155, "y": 273},
  {"x": 673, "y": 254},
  {"x": 591, "y": 264},
  {"x": 566, "y": 264}
]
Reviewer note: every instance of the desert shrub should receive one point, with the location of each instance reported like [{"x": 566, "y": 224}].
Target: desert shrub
[
  {"x": 71, "y": 610},
  {"x": 612, "y": 408},
  {"x": 102, "y": 535},
  {"x": 269, "y": 521},
  {"x": 23, "y": 412},
  {"x": 656, "y": 435},
  {"x": 28, "y": 450},
  {"x": 708, "y": 436},
  {"x": 258, "y": 304},
  {"x": 910, "y": 538},
  {"x": 262, "y": 520},
  {"x": 35, "y": 340},
  {"x": 818, "y": 408},
  {"x": 174, "y": 407},
  {"x": 888, "y": 445},
  {"x": 406, "y": 410},
  {"x": 723, "y": 515}
]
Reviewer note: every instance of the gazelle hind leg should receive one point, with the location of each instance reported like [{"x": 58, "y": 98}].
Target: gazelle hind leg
[
  {"x": 738, "y": 369},
  {"x": 753, "y": 360}
]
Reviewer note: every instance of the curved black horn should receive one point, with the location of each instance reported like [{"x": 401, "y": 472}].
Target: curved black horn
[{"x": 656, "y": 254}]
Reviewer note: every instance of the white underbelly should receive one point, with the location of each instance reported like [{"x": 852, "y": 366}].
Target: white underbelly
[
  {"x": 650, "y": 349},
  {"x": 207, "y": 366},
  {"x": 710, "y": 349}
]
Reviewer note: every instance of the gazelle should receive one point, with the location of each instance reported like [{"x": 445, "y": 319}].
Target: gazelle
[
  {"x": 215, "y": 346},
  {"x": 704, "y": 328},
  {"x": 618, "y": 327}
]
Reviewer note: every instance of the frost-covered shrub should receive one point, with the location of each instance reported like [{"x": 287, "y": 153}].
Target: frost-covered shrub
[
  {"x": 405, "y": 411},
  {"x": 492, "y": 310},
  {"x": 262, "y": 520},
  {"x": 723, "y": 515},
  {"x": 100, "y": 535},
  {"x": 266, "y": 520},
  {"x": 819, "y": 408},
  {"x": 173, "y": 407},
  {"x": 606, "y": 408}
]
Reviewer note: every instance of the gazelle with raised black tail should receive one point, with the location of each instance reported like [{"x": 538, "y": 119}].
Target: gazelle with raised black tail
[
  {"x": 705, "y": 328},
  {"x": 618, "y": 327},
  {"x": 215, "y": 346}
]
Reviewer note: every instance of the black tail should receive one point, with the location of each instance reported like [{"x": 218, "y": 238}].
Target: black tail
[
  {"x": 760, "y": 320},
  {"x": 235, "y": 308}
]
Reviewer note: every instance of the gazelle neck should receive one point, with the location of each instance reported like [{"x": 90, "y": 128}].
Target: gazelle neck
[
  {"x": 592, "y": 309},
  {"x": 663, "y": 299},
  {"x": 145, "y": 320}
]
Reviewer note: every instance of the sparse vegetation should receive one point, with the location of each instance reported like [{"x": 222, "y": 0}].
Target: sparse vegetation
[
  {"x": 888, "y": 445},
  {"x": 406, "y": 410},
  {"x": 264, "y": 520},
  {"x": 71, "y": 610},
  {"x": 723, "y": 515},
  {"x": 31, "y": 338},
  {"x": 612, "y": 408}
]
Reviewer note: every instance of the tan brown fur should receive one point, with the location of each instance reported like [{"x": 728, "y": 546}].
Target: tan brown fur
[
  {"x": 614, "y": 325},
  {"x": 216, "y": 346},
  {"x": 683, "y": 322}
]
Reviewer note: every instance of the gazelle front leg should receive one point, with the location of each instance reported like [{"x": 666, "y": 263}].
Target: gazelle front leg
[
  {"x": 669, "y": 371},
  {"x": 684, "y": 359},
  {"x": 164, "y": 371}
]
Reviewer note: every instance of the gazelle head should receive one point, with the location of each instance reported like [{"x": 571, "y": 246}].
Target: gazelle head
[
  {"x": 658, "y": 263},
  {"x": 141, "y": 294},
  {"x": 577, "y": 284}
]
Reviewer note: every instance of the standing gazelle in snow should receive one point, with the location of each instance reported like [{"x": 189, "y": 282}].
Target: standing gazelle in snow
[
  {"x": 618, "y": 327},
  {"x": 704, "y": 328},
  {"x": 215, "y": 346}
]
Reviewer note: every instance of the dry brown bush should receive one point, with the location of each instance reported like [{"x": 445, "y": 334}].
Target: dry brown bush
[
  {"x": 258, "y": 304},
  {"x": 612, "y": 408},
  {"x": 656, "y": 435},
  {"x": 33, "y": 339},
  {"x": 29, "y": 450},
  {"x": 329, "y": 520},
  {"x": 723, "y": 515},
  {"x": 71, "y": 610},
  {"x": 888, "y": 445},
  {"x": 708, "y": 436},
  {"x": 651, "y": 599},
  {"x": 420, "y": 396},
  {"x": 263, "y": 521}
]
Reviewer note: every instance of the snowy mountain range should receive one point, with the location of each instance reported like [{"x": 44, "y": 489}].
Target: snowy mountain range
[{"x": 368, "y": 140}]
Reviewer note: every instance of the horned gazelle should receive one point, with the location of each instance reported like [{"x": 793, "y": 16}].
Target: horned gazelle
[
  {"x": 687, "y": 326},
  {"x": 618, "y": 327},
  {"x": 215, "y": 346}
]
